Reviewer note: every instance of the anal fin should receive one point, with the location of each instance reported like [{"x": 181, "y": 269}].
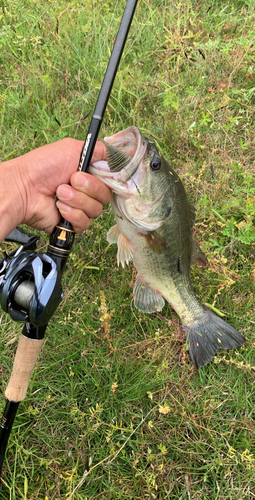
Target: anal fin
[{"x": 145, "y": 298}]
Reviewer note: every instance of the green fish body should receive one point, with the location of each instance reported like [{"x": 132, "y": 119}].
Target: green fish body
[{"x": 154, "y": 222}]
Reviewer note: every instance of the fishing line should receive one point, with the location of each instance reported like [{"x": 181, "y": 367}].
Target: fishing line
[
  {"x": 130, "y": 177},
  {"x": 137, "y": 188},
  {"x": 88, "y": 92},
  {"x": 133, "y": 40}
]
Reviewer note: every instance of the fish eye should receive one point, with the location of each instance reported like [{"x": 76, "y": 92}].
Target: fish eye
[{"x": 155, "y": 164}]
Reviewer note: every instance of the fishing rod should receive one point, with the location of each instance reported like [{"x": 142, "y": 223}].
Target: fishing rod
[{"x": 30, "y": 282}]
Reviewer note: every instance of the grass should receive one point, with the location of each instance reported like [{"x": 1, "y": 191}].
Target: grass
[{"x": 113, "y": 392}]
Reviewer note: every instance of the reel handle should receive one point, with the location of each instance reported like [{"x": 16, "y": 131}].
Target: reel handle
[{"x": 28, "y": 241}]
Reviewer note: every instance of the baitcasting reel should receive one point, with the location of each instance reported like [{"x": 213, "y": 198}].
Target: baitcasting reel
[{"x": 30, "y": 282}]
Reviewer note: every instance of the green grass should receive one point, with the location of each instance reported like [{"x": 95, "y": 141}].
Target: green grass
[{"x": 114, "y": 392}]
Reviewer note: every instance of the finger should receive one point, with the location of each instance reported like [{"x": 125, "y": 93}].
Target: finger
[
  {"x": 92, "y": 186},
  {"x": 79, "y": 200},
  {"x": 79, "y": 220},
  {"x": 99, "y": 152}
]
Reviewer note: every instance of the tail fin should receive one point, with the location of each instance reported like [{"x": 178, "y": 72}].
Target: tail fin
[{"x": 209, "y": 334}]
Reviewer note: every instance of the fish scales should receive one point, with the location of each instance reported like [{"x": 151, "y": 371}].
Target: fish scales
[{"x": 154, "y": 222}]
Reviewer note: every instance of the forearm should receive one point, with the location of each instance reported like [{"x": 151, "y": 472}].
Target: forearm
[{"x": 11, "y": 197}]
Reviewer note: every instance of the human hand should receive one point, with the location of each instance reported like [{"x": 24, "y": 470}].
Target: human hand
[{"x": 35, "y": 179}]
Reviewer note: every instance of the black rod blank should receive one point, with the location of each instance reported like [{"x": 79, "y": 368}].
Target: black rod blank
[{"x": 107, "y": 84}]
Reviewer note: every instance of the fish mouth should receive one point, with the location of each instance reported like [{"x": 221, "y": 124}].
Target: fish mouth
[{"x": 124, "y": 152}]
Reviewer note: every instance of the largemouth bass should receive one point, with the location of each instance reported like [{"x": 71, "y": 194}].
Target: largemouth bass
[{"x": 153, "y": 228}]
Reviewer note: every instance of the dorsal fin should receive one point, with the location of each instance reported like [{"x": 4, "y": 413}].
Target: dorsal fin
[
  {"x": 116, "y": 158},
  {"x": 197, "y": 256},
  {"x": 192, "y": 214}
]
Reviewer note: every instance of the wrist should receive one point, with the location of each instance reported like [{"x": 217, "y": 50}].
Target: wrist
[{"x": 12, "y": 196}]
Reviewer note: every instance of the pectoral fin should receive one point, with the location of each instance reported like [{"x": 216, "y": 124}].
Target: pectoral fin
[
  {"x": 125, "y": 250},
  {"x": 145, "y": 298},
  {"x": 155, "y": 241},
  {"x": 113, "y": 234}
]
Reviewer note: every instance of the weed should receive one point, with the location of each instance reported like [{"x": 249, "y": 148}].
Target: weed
[{"x": 115, "y": 409}]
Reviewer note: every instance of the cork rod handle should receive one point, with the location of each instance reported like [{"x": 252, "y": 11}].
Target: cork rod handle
[{"x": 27, "y": 353}]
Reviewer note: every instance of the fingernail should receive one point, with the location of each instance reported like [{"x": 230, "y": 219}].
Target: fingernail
[
  {"x": 64, "y": 193},
  {"x": 62, "y": 206},
  {"x": 81, "y": 180}
]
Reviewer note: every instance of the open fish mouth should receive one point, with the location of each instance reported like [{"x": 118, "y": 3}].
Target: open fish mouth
[{"x": 124, "y": 152}]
